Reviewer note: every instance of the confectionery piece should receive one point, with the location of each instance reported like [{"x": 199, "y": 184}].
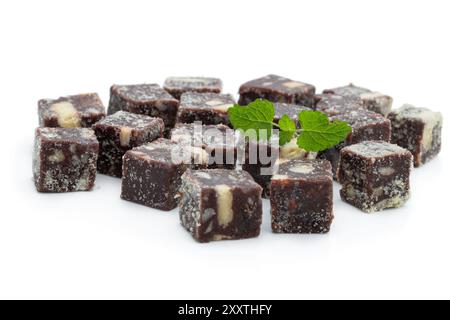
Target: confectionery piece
[
  {"x": 176, "y": 86},
  {"x": 146, "y": 99},
  {"x": 332, "y": 104},
  {"x": 375, "y": 175},
  {"x": 152, "y": 172},
  {"x": 292, "y": 110},
  {"x": 65, "y": 159},
  {"x": 277, "y": 89},
  {"x": 121, "y": 132},
  {"x": 220, "y": 204},
  {"x": 373, "y": 101},
  {"x": 366, "y": 125},
  {"x": 196, "y": 134},
  {"x": 418, "y": 130},
  {"x": 208, "y": 108},
  {"x": 301, "y": 197},
  {"x": 77, "y": 111},
  {"x": 219, "y": 141}
]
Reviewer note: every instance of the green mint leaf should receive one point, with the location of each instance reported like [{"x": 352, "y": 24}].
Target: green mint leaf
[
  {"x": 287, "y": 129},
  {"x": 318, "y": 133},
  {"x": 257, "y": 115}
]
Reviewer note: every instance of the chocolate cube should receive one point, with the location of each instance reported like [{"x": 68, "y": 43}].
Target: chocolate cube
[
  {"x": 146, "y": 99},
  {"x": 152, "y": 172},
  {"x": 208, "y": 108},
  {"x": 220, "y": 204},
  {"x": 366, "y": 125},
  {"x": 65, "y": 159},
  {"x": 76, "y": 111},
  {"x": 375, "y": 175},
  {"x": 372, "y": 101},
  {"x": 219, "y": 141},
  {"x": 332, "y": 104},
  {"x": 121, "y": 132},
  {"x": 176, "y": 86},
  {"x": 301, "y": 197},
  {"x": 277, "y": 89},
  {"x": 418, "y": 130}
]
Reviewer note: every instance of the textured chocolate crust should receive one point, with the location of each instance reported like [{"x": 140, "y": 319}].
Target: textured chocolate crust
[
  {"x": 418, "y": 130},
  {"x": 208, "y": 108},
  {"x": 301, "y": 197},
  {"x": 332, "y": 104},
  {"x": 366, "y": 126},
  {"x": 292, "y": 110},
  {"x": 220, "y": 204},
  {"x": 375, "y": 175},
  {"x": 76, "y": 111},
  {"x": 222, "y": 150},
  {"x": 176, "y": 86},
  {"x": 146, "y": 99},
  {"x": 121, "y": 132},
  {"x": 277, "y": 89},
  {"x": 152, "y": 176},
  {"x": 65, "y": 159},
  {"x": 372, "y": 101}
]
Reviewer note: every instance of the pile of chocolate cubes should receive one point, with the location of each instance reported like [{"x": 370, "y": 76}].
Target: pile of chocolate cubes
[{"x": 154, "y": 138}]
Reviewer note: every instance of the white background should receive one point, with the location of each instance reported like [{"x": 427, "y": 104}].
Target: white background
[{"x": 94, "y": 245}]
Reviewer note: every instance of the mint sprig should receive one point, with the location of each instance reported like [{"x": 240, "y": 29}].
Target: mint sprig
[
  {"x": 257, "y": 115},
  {"x": 317, "y": 133}
]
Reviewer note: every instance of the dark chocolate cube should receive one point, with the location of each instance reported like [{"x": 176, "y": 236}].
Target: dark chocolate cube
[
  {"x": 301, "y": 197},
  {"x": 220, "y": 204},
  {"x": 277, "y": 89},
  {"x": 208, "y": 108},
  {"x": 152, "y": 172},
  {"x": 375, "y": 175},
  {"x": 332, "y": 104},
  {"x": 366, "y": 126},
  {"x": 146, "y": 99},
  {"x": 418, "y": 130},
  {"x": 121, "y": 132},
  {"x": 176, "y": 86},
  {"x": 76, "y": 111},
  {"x": 372, "y": 101},
  {"x": 219, "y": 141},
  {"x": 65, "y": 159}
]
